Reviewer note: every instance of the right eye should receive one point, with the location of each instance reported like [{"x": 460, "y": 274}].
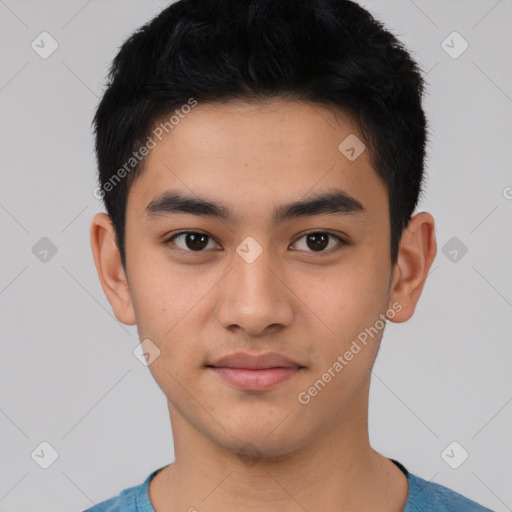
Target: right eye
[{"x": 192, "y": 241}]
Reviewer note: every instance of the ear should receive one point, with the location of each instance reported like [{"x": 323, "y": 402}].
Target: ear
[
  {"x": 110, "y": 269},
  {"x": 418, "y": 248}
]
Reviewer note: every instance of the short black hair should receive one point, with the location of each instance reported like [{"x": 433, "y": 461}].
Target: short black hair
[{"x": 330, "y": 52}]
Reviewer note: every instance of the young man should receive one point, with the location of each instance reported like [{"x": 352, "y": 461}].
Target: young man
[{"x": 260, "y": 162}]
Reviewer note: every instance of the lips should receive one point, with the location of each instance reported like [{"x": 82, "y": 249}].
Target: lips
[
  {"x": 252, "y": 372},
  {"x": 255, "y": 361}
]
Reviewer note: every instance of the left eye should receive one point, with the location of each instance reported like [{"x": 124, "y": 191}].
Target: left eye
[{"x": 319, "y": 240}]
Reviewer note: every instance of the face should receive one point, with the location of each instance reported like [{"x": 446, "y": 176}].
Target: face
[{"x": 258, "y": 277}]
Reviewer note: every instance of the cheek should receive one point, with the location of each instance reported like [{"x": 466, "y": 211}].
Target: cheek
[
  {"x": 350, "y": 308},
  {"x": 171, "y": 307},
  {"x": 162, "y": 296},
  {"x": 168, "y": 310},
  {"x": 346, "y": 299},
  {"x": 348, "y": 303}
]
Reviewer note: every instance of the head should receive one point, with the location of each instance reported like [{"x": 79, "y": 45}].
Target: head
[{"x": 289, "y": 138}]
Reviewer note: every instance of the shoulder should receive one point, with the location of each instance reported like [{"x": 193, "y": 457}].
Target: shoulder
[
  {"x": 132, "y": 499},
  {"x": 428, "y": 496},
  {"x": 123, "y": 502}
]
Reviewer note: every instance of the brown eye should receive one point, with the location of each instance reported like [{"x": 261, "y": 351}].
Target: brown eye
[
  {"x": 318, "y": 241},
  {"x": 192, "y": 241}
]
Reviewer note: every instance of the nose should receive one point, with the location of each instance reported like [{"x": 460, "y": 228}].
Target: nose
[{"x": 255, "y": 297}]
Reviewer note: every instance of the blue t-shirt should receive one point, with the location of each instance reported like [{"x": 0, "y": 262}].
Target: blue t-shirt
[{"x": 424, "y": 496}]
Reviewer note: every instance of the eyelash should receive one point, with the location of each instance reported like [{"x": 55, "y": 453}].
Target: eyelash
[{"x": 340, "y": 240}]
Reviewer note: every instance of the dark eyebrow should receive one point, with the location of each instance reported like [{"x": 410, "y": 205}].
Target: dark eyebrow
[{"x": 333, "y": 202}]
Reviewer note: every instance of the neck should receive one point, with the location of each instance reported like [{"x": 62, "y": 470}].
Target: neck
[{"x": 336, "y": 470}]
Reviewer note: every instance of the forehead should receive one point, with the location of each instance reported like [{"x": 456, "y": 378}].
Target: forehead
[{"x": 258, "y": 155}]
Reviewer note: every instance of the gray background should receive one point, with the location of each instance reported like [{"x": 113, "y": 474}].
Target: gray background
[{"x": 68, "y": 373}]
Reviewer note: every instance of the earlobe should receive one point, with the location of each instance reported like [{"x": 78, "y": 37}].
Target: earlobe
[
  {"x": 417, "y": 251},
  {"x": 110, "y": 270}
]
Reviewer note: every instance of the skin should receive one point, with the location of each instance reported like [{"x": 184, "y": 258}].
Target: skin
[{"x": 264, "y": 451}]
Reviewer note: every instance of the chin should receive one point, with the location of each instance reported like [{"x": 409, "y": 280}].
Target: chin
[
  {"x": 251, "y": 450},
  {"x": 253, "y": 439}
]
